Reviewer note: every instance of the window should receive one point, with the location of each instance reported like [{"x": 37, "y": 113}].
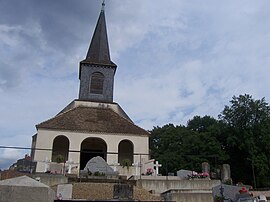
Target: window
[
  {"x": 96, "y": 85},
  {"x": 125, "y": 151},
  {"x": 60, "y": 149}
]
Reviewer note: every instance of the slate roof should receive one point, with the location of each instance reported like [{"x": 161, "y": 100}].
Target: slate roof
[
  {"x": 91, "y": 119},
  {"x": 98, "y": 52}
]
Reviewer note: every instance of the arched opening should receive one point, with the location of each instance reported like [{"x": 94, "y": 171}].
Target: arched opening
[
  {"x": 92, "y": 147},
  {"x": 125, "y": 151},
  {"x": 60, "y": 149},
  {"x": 97, "y": 80}
]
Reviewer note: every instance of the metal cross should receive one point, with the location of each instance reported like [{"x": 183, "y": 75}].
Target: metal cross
[{"x": 103, "y": 4}]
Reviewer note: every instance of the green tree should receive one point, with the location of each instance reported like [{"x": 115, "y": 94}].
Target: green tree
[
  {"x": 166, "y": 146},
  {"x": 202, "y": 124},
  {"x": 180, "y": 147},
  {"x": 248, "y": 137},
  {"x": 211, "y": 136}
]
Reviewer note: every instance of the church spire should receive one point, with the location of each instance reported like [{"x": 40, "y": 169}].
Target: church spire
[
  {"x": 97, "y": 71},
  {"x": 98, "y": 52}
]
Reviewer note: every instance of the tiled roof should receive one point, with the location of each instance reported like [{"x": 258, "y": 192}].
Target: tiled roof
[{"x": 91, "y": 119}]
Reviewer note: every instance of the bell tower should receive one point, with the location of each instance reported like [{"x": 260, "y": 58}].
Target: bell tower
[{"x": 97, "y": 71}]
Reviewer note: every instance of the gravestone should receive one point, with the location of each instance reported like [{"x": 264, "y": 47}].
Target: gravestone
[
  {"x": 216, "y": 174},
  {"x": 147, "y": 165},
  {"x": 137, "y": 167},
  {"x": 228, "y": 191},
  {"x": 56, "y": 168},
  {"x": 98, "y": 164},
  {"x": 225, "y": 173},
  {"x": 123, "y": 191},
  {"x": 65, "y": 191},
  {"x": 205, "y": 167},
  {"x": 183, "y": 174}
]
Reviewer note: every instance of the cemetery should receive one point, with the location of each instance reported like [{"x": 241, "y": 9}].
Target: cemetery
[
  {"x": 99, "y": 181},
  {"x": 93, "y": 151}
]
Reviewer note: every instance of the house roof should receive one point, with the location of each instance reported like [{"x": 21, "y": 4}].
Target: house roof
[{"x": 92, "y": 119}]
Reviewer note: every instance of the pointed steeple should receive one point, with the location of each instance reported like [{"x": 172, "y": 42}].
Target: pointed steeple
[
  {"x": 98, "y": 52},
  {"x": 97, "y": 71}
]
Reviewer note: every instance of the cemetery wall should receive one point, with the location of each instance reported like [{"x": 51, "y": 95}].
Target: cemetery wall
[
  {"x": 188, "y": 195},
  {"x": 162, "y": 185},
  {"x": 103, "y": 191},
  {"x": 50, "y": 180}
]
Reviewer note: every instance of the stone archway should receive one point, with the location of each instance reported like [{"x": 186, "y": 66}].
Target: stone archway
[
  {"x": 60, "y": 148},
  {"x": 125, "y": 151},
  {"x": 92, "y": 147}
]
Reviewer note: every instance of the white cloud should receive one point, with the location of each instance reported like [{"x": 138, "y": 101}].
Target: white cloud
[{"x": 10, "y": 156}]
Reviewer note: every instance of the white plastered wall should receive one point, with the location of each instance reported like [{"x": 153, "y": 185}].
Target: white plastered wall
[{"x": 45, "y": 140}]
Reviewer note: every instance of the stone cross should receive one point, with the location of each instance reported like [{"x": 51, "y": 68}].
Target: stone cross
[
  {"x": 69, "y": 163},
  {"x": 115, "y": 164},
  {"x": 46, "y": 164},
  {"x": 157, "y": 166},
  {"x": 137, "y": 165}
]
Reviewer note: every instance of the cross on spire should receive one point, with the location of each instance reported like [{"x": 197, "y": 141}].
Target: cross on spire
[{"x": 103, "y": 5}]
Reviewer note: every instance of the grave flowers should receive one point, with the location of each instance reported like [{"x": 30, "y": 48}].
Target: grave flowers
[
  {"x": 149, "y": 171},
  {"x": 196, "y": 175},
  {"x": 126, "y": 163}
]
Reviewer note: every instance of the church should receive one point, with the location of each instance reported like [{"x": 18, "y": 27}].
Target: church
[{"x": 92, "y": 125}]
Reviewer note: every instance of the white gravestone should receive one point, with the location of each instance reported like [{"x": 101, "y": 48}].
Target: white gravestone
[
  {"x": 115, "y": 164},
  {"x": 137, "y": 168},
  {"x": 65, "y": 191},
  {"x": 148, "y": 165}
]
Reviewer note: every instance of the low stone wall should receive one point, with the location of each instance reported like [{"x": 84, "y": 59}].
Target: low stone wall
[
  {"x": 104, "y": 191},
  {"x": 188, "y": 195},
  {"x": 160, "y": 185},
  {"x": 50, "y": 179}
]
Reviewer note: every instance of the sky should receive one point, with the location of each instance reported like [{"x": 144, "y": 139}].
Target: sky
[{"x": 176, "y": 59}]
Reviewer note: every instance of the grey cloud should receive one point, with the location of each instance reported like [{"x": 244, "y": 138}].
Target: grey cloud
[
  {"x": 45, "y": 37},
  {"x": 63, "y": 23},
  {"x": 9, "y": 76}
]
